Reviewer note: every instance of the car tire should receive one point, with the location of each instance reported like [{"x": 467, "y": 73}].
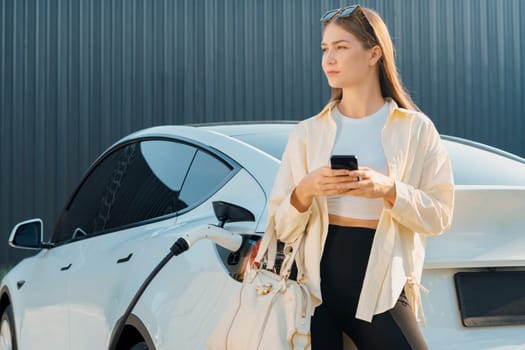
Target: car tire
[
  {"x": 139, "y": 346},
  {"x": 7, "y": 330}
]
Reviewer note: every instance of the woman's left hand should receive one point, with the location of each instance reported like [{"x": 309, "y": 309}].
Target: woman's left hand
[{"x": 371, "y": 184}]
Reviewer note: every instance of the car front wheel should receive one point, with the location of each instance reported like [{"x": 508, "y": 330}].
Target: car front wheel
[{"x": 7, "y": 330}]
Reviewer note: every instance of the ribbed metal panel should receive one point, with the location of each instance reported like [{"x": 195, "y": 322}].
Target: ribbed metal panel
[{"x": 78, "y": 75}]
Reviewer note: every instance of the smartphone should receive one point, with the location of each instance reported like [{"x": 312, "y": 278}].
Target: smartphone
[{"x": 348, "y": 162}]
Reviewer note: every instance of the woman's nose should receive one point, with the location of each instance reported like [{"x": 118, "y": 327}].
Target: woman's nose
[{"x": 328, "y": 57}]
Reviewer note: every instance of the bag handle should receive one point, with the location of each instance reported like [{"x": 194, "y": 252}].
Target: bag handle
[{"x": 269, "y": 245}]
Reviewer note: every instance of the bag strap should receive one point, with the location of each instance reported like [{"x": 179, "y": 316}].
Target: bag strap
[
  {"x": 269, "y": 245},
  {"x": 301, "y": 339},
  {"x": 291, "y": 252}
]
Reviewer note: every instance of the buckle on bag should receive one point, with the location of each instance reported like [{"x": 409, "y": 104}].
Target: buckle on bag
[
  {"x": 308, "y": 342},
  {"x": 265, "y": 289}
]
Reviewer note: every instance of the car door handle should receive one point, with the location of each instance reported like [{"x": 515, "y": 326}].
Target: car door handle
[
  {"x": 65, "y": 268},
  {"x": 126, "y": 259}
]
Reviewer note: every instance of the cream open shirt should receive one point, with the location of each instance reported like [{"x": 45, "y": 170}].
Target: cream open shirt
[{"x": 420, "y": 166}]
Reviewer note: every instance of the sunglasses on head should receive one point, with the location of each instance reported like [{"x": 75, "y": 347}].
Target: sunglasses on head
[
  {"x": 347, "y": 12},
  {"x": 340, "y": 12}
]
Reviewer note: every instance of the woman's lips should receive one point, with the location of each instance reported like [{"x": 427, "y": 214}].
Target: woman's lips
[{"x": 331, "y": 72}]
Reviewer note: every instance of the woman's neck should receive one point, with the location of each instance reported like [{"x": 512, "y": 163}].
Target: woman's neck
[{"x": 361, "y": 101}]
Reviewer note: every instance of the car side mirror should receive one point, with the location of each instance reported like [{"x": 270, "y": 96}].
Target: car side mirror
[{"x": 28, "y": 235}]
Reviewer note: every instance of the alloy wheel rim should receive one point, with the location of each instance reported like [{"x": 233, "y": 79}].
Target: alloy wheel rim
[{"x": 5, "y": 336}]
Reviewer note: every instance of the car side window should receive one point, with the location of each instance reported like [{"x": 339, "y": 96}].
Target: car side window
[
  {"x": 135, "y": 183},
  {"x": 207, "y": 173}
]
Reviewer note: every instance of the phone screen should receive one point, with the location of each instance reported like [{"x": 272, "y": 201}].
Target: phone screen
[{"x": 348, "y": 162}]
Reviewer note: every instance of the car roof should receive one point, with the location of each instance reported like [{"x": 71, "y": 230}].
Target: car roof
[{"x": 473, "y": 163}]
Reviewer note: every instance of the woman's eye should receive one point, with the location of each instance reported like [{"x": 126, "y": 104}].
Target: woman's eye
[
  {"x": 323, "y": 49},
  {"x": 341, "y": 47}
]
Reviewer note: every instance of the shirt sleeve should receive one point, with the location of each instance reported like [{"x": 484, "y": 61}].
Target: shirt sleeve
[
  {"x": 289, "y": 223},
  {"x": 428, "y": 208}
]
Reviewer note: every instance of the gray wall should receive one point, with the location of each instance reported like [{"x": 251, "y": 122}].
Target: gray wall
[{"x": 75, "y": 76}]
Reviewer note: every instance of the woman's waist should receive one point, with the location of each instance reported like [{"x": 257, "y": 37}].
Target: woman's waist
[{"x": 352, "y": 222}]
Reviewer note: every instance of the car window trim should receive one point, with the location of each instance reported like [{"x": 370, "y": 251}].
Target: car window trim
[{"x": 222, "y": 157}]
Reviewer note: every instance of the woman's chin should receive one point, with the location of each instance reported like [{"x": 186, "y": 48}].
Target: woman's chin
[{"x": 336, "y": 84}]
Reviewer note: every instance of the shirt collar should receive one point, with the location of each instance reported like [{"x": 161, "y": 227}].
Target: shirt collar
[{"x": 392, "y": 108}]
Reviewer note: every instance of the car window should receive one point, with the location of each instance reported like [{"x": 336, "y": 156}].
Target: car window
[
  {"x": 137, "y": 182},
  {"x": 206, "y": 175}
]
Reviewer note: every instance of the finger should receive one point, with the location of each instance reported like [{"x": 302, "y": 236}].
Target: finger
[
  {"x": 328, "y": 171},
  {"x": 352, "y": 185},
  {"x": 338, "y": 188},
  {"x": 325, "y": 186},
  {"x": 340, "y": 179},
  {"x": 362, "y": 174},
  {"x": 362, "y": 189},
  {"x": 359, "y": 192},
  {"x": 364, "y": 185},
  {"x": 335, "y": 187},
  {"x": 325, "y": 170},
  {"x": 349, "y": 176},
  {"x": 339, "y": 172}
]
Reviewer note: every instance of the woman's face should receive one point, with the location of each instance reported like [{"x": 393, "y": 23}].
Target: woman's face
[{"x": 345, "y": 61}]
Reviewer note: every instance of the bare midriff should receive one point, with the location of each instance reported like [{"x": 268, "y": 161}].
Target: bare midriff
[{"x": 353, "y": 222}]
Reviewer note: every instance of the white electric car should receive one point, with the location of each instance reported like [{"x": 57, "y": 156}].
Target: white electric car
[{"x": 163, "y": 183}]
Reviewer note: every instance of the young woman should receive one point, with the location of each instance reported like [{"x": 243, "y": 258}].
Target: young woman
[{"x": 365, "y": 229}]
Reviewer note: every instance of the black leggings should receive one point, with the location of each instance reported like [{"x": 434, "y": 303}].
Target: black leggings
[{"x": 343, "y": 267}]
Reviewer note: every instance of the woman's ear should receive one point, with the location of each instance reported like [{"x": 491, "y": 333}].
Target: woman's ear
[{"x": 375, "y": 54}]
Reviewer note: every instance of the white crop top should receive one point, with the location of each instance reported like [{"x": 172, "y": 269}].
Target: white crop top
[{"x": 360, "y": 137}]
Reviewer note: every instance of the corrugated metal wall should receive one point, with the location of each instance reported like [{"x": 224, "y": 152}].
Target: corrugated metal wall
[{"x": 78, "y": 75}]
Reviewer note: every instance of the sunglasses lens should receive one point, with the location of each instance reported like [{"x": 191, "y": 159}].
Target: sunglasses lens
[
  {"x": 329, "y": 15},
  {"x": 348, "y": 11}
]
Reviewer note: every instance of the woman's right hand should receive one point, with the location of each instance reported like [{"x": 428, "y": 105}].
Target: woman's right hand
[{"x": 323, "y": 181}]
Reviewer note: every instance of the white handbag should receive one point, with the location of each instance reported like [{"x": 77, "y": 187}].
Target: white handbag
[{"x": 272, "y": 311}]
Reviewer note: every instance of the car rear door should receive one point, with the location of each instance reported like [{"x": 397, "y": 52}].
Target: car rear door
[{"x": 134, "y": 194}]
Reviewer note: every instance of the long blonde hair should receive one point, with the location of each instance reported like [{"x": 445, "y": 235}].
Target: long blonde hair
[{"x": 389, "y": 79}]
